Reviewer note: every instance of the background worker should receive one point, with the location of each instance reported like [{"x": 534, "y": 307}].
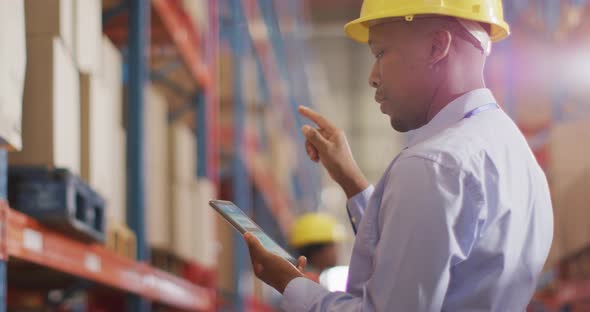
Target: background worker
[
  {"x": 315, "y": 236},
  {"x": 461, "y": 220}
]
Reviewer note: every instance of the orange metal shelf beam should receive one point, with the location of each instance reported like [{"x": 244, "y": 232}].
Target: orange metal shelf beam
[
  {"x": 185, "y": 36},
  {"x": 24, "y": 238}
]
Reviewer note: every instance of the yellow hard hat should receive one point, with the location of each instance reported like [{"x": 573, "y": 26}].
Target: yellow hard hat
[
  {"x": 315, "y": 228},
  {"x": 484, "y": 11}
]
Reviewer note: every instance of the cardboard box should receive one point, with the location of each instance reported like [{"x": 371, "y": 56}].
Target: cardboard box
[
  {"x": 225, "y": 255},
  {"x": 569, "y": 178},
  {"x": 157, "y": 184},
  {"x": 182, "y": 207},
  {"x": 12, "y": 76},
  {"x": 119, "y": 204},
  {"x": 226, "y": 74},
  {"x": 111, "y": 73},
  {"x": 283, "y": 159},
  {"x": 108, "y": 171},
  {"x": 194, "y": 230},
  {"x": 197, "y": 10},
  {"x": 249, "y": 81},
  {"x": 51, "y": 18},
  {"x": 96, "y": 135},
  {"x": 102, "y": 145},
  {"x": 87, "y": 34},
  {"x": 182, "y": 153},
  {"x": 205, "y": 240},
  {"x": 120, "y": 239},
  {"x": 51, "y": 110}
]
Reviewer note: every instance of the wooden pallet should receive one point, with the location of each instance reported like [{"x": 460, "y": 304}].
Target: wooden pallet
[{"x": 121, "y": 240}]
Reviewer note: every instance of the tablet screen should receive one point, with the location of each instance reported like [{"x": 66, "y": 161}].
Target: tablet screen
[{"x": 243, "y": 223}]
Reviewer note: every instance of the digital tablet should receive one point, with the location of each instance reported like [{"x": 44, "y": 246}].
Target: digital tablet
[{"x": 241, "y": 222}]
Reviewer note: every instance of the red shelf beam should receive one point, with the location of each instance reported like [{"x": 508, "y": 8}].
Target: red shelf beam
[
  {"x": 212, "y": 93},
  {"x": 26, "y": 239}
]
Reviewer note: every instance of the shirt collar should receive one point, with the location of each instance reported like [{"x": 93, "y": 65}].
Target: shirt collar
[{"x": 451, "y": 114}]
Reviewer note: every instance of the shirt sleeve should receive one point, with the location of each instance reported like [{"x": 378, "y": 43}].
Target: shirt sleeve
[
  {"x": 427, "y": 223},
  {"x": 357, "y": 204}
]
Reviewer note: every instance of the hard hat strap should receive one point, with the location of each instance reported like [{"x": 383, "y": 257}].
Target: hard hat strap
[{"x": 479, "y": 33}]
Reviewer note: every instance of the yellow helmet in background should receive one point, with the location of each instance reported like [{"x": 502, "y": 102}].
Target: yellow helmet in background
[
  {"x": 315, "y": 228},
  {"x": 484, "y": 11}
]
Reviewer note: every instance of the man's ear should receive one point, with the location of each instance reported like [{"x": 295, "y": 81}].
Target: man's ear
[{"x": 440, "y": 46}]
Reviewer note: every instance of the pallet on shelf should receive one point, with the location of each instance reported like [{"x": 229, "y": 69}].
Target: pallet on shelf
[{"x": 58, "y": 198}]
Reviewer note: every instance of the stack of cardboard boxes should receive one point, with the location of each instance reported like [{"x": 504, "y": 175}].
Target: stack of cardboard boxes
[
  {"x": 72, "y": 118},
  {"x": 103, "y": 137},
  {"x": 179, "y": 218},
  {"x": 193, "y": 235},
  {"x": 569, "y": 177},
  {"x": 51, "y": 108},
  {"x": 72, "y": 108},
  {"x": 204, "y": 234},
  {"x": 157, "y": 183},
  {"x": 13, "y": 58},
  {"x": 182, "y": 174}
]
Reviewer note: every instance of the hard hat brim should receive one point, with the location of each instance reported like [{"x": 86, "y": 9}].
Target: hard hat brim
[
  {"x": 358, "y": 29},
  {"x": 309, "y": 241}
]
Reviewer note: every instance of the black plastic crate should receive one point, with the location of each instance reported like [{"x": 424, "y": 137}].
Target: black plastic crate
[{"x": 59, "y": 199}]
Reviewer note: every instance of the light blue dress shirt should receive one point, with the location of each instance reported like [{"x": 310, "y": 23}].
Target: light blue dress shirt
[{"x": 460, "y": 221}]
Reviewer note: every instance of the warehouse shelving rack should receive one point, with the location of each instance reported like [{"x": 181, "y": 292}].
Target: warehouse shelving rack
[
  {"x": 273, "y": 66},
  {"x": 28, "y": 247},
  {"x": 25, "y": 239},
  {"x": 251, "y": 29}
]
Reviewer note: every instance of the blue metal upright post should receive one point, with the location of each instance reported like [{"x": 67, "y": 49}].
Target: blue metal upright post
[
  {"x": 241, "y": 180},
  {"x": 3, "y": 196},
  {"x": 311, "y": 174},
  {"x": 139, "y": 22},
  {"x": 201, "y": 135},
  {"x": 305, "y": 181}
]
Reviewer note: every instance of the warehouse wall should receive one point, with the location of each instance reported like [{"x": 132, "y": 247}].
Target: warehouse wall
[{"x": 348, "y": 100}]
